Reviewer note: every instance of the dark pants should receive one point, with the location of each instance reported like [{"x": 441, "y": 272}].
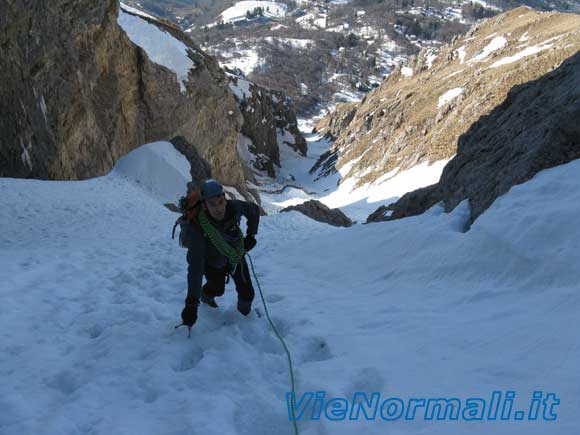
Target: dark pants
[{"x": 216, "y": 281}]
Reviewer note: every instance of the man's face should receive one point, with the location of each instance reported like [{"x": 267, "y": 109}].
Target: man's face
[{"x": 216, "y": 207}]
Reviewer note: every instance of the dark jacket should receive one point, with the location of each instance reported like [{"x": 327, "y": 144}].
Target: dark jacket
[{"x": 202, "y": 253}]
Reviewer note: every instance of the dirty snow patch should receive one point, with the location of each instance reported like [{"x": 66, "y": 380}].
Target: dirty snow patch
[
  {"x": 496, "y": 43},
  {"x": 244, "y": 60},
  {"x": 134, "y": 11},
  {"x": 448, "y": 96},
  {"x": 293, "y": 42},
  {"x": 430, "y": 58},
  {"x": 461, "y": 53},
  {"x": 524, "y": 53},
  {"x": 240, "y": 89}
]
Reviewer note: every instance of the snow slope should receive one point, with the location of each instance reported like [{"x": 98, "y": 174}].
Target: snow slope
[
  {"x": 448, "y": 96},
  {"x": 158, "y": 169},
  {"x": 497, "y": 43},
  {"x": 238, "y": 11},
  {"x": 91, "y": 287},
  {"x": 245, "y": 60},
  {"x": 338, "y": 190},
  {"x": 528, "y": 51},
  {"x": 160, "y": 46},
  {"x": 135, "y": 11}
]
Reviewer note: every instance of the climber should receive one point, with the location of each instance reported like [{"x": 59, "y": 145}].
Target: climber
[{"x": 216, "y": 249}]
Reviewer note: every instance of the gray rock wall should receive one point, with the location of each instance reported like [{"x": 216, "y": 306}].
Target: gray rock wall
[
  {"x": 76, "y": 95},
  {"x": 535, "y": 128}
]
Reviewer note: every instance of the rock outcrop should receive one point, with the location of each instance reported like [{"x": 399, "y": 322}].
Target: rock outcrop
[
  {"x": 200, "y": 168},
  {"x": 420, "y": 111},
  {"x": 535, "y": 128},
  {"x": 332, "y": 126},
  {"x": 338, "y": 121},
  {"x": 319, "y": 212},
  {"x": 269, "y": 124},
  {"x": 76, "y": 94}
]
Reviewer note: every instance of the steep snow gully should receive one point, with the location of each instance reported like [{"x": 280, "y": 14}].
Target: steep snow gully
[{"x": 91, "y": 286}]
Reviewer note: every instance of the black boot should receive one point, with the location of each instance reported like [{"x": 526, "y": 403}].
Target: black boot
[
  {"x": 244, "y": 306},
  {"x": 208, "y": 300},
  {"x": 189, "y": 314}
]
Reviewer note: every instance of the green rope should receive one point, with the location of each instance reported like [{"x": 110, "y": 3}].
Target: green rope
[
  {"x": 235, "y": 256},
  {"x": 283, "y": 344}
]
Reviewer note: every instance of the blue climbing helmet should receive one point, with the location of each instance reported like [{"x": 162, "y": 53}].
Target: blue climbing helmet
[{"x": 211, "y": 188}]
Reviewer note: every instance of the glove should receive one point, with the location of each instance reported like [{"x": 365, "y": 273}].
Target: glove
[
  {"x": 249, "y": 242},
  {"x": 189, "y": 315}
]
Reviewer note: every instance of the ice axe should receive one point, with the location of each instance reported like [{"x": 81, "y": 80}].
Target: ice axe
[{"x": 188, "y": 329}]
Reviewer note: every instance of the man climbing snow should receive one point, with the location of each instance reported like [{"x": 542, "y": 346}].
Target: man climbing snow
[{"x": 216, "y": 249}]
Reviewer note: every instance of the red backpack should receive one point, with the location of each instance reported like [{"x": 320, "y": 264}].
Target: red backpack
[
  {"x": 189, "y": 206},
  {"x": 192, "y": 206}
]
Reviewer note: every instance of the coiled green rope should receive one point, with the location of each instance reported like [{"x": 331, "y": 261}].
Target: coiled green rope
[{"x": 235, "y": 256}]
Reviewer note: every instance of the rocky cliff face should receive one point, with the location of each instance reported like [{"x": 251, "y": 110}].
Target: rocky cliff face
[
  {"x": 421, "y": 110},
  {"x": 536, "y": 127},
  {"x": 338, "y": 121},
  {"x": 269, "y": 124},
  {"x": 332, "y": 126},
  {"x": 76, "y": 94}
]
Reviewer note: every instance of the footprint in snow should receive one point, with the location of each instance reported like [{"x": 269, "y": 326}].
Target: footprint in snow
[
  {"x": 367, "y": 379},
  {"x": 313, "y": 349},
  {"x": 188, "y": 360},
  {"x": 274, "y": 298},
  {"x": 65, "y": 381}
]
